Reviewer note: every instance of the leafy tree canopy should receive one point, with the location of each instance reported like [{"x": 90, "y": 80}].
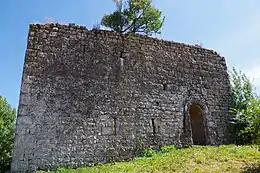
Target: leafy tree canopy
[
  {"x": 134, "y": 16},
  {"x": 7, "y": 118},
  {"x": 245, "y": 108}
]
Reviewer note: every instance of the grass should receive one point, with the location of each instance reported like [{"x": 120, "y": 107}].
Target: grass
[{"x": 201, "y": 159}]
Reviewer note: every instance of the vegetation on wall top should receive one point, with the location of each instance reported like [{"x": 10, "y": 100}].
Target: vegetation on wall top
[{"x": 134, "y": 16}]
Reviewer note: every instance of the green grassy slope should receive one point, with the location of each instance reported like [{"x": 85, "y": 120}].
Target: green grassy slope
[{"x": 204, "y": 159}]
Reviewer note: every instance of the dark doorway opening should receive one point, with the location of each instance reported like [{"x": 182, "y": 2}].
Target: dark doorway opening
[{"x": 197, "y": 125}]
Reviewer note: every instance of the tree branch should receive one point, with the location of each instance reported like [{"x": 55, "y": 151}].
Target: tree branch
[{"x": 136, "y": 19}]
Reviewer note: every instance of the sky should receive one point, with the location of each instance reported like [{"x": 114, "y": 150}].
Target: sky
[{"x": 230, "y": 27}]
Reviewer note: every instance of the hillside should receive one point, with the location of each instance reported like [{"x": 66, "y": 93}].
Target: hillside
[{"x": 201, "y": 159}]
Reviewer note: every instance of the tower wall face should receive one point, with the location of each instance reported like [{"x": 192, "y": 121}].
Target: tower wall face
[{"x": 96, "y": 96}]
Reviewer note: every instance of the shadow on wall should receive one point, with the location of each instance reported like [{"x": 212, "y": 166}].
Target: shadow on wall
[{"x": 252, "y": 169}]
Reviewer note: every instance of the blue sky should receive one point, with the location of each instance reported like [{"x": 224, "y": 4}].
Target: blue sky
[{"x": 231, "y": 27}]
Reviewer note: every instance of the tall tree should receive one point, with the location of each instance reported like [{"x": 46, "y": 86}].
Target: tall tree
[
  {"x": 134, "y": 16},
  {"x": 245, "y": 108},
  {"x": 7, "y": 118}
]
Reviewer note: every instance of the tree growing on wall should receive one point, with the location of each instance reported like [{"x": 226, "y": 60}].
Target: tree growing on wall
[
  {"x": 134, "y": 16},
  {"x": 245, "y": 107},
  {"x": 7, "y": 118}
]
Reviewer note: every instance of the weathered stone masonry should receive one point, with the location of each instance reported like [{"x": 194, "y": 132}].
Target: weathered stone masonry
[{"x": 93, "y": 96}]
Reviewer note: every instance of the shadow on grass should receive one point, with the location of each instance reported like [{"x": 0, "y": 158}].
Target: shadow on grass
[{"x": 252, "y": 169}]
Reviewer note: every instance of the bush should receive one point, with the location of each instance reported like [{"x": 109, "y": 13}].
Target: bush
[
  {"x": 150, "y": 152},
  {"x": 7, "y": 118},
  {"x": 245, "y": 108},
  {"x": 166, "y": 149},
  {"x": 248, "y": 122}
]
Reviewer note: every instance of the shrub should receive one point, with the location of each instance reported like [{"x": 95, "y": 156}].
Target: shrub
[
  {"x": 150, "y": 152},
  {"x": 245, "y": 108},
  {"x": 7, "y": 118},
  {"x": 166, "y": 149}
]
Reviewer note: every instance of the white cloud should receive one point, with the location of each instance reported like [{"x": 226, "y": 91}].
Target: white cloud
[
  {"x": 239, "y": 45},
  {"x": 245, "y": 33},
  {"x": 254, "y": 74}
]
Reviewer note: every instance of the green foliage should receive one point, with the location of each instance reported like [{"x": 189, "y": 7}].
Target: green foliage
[
  {"x": 242, "y": 90},
  {"x": 249, "y": 118},
  {"x": 167, "y": 149},
  {"x": 150, "y": 152},
  {"x": 7, "y": 118},
  {"x": 203, "y": 159},
  {"x": 134, "y": 16},
  {"x": 246, "y": 109}
]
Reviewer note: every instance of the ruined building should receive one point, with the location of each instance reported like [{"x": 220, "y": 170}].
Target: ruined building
[{"x": 92, "y": 96}]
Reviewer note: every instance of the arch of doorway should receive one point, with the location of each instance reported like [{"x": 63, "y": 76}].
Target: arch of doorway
[{"x": 187, "y": 122}]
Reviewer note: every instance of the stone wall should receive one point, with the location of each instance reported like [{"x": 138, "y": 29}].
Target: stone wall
[{"x": 96, "y": 96}]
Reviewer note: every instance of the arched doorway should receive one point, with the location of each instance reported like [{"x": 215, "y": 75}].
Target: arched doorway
[{"x": 197, "y": 125}]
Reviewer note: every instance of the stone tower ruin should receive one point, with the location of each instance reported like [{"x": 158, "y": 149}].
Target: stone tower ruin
[{"x": 92, "y": 96}]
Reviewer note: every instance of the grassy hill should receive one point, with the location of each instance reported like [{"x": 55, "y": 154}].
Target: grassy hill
[{"x": 201, "y": 159}]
